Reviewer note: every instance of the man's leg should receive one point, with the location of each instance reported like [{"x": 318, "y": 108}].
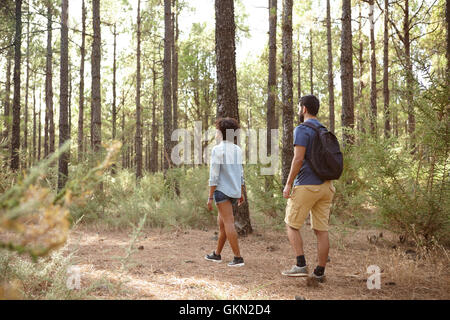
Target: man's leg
[
  {"x": 226, "y": 214},
  {"x": 222, "y": 235}
]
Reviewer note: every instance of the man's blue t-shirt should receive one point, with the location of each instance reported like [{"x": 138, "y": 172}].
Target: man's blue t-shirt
[{"x": 303, "y": 136}]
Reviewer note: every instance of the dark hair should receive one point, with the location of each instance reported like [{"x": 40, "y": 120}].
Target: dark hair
[
  {"x": 311, "y": 103},
  {"x": 224, "y": 124}
]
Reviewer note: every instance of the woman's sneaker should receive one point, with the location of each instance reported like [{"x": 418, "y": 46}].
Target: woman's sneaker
[
  {"x": 237, "y": 262},
  {"x": 213, "y": 257},
  {"x": 296, "y": 271}
]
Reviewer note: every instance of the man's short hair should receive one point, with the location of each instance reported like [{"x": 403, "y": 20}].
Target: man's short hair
[
  {"x": 224, "y": 124},
  {"x": 311, "y": 103}
]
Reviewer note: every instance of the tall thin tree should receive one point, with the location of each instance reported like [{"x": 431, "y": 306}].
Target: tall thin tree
[
  {"x": 272, "y": 79},
  {"x": 167, "y": 86},
  {"x": 138, "y": 140},
  {"x": 286, "y": 89},
  {"x": 330, "y": 70},
  {"x": 49, "y": 139},
  {"x": 96, "y": 119},
  {"x": 63, "y": 163},
  {"x": 227, "y": 96},
  {"x": 387, "y": 116},
  {"x": 373, "y": 72},
  {"x": 15, "y": 134},
  {"x": 348, "y": 118},
  {"x": 81, "y": 87}
]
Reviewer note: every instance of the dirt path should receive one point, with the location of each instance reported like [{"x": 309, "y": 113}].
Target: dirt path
[{"x": 171, "y": 265}]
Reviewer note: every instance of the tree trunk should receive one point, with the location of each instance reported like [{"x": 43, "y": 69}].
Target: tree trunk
[
  {"x": 167, "y": 86},
  {"x": 7, "y": 113},
  {"x": 114, "y": 106},
  {"x": 409, "y": 75},
  {"x": 360, "y": 111},
  {"x": 15, "y": 134},
  {"x": 34, "y": 121},
  {"x": 39, "y": 127},
  {"x": 447, "y": 19},
  {"x": 175, "y": 66},
  {"x": 330, "y": 70},
  {"x": 272, "y": 80},
  {"x": 138, "y": 98},
  {"x": 387, "y": 115},
  {"x": 287, "y": 95},
  {"x": 311, "y": 61},
  {"x": 49, "y": 143},
  {"x": 154, "y": 153},
  {"x": 27, "y": 86},
  {"x": 81, "y": 91},
  {"x": 373, "y": 73},
  {"x": 96, "y": 127},
  {"x": 63, "y": 164},
  {"x": 347, "y": 117},
  {"x": 227, "y": 97}
]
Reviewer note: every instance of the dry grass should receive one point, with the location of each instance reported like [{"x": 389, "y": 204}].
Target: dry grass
[{"x": 170, "y": 265}]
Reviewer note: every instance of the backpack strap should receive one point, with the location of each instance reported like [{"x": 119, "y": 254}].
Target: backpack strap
[{"x": 312, "y": 126}]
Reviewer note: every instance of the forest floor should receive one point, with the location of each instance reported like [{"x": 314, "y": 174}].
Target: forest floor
[{"x": 170, "y": 264}]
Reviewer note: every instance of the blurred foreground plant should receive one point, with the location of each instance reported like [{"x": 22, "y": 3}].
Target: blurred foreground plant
[{"x": 36, "y": 220}]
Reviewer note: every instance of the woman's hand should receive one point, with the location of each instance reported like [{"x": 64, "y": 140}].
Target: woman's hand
[
  {"x": 241, "y": 200},
  {"x": 209, "y": 205}
]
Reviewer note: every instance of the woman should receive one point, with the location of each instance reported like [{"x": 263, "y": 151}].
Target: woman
[{"x": 226, "y": 181}]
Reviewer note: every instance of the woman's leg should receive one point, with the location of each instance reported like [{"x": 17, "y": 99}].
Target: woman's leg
[
  {"x": 222, "y": 235},
  {"x": 226, "y": 214}
]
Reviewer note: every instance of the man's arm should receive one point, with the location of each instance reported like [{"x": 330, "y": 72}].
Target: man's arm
[{"x": 296, "y": 164}]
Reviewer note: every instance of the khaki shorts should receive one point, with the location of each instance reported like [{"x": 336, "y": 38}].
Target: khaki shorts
[{"x": 314, "y": 198}]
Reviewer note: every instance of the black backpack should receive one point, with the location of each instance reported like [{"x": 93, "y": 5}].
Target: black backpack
[{"x": 326, "y": 159}]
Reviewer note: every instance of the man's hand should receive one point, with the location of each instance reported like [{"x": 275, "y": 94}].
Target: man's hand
[
  {"x": 209, "y": 204},
  {"x": 287, "y": 192},
  {"x": 241, "y": 200}
]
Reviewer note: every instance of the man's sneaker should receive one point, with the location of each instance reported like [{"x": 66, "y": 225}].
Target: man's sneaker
[
  {"x": 213, "y": 257},
  {"x": 237, "y": 262},
  {"x": 296, "y": 271},
  {"x": 314, "y": 280}
]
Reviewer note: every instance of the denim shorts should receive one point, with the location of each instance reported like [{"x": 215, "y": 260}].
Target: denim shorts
[{"x": 220, "y": 197}]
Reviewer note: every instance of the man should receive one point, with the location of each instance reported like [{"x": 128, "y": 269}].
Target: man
[{"x": 309, "y": 194}]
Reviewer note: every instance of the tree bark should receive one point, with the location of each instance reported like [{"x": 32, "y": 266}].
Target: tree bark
[
  {"x": 360, "y": 112},
  {"x": 81, "y": 91},
  {"x": 447, "y": 19},
  {"x": 272, "y": 79},
  {"x": 154, "y": 153},
  {"x": 96, "y": 127},
  {"x": 114, "y": 106},
  {"x": 175, "y": 66},
  {"x": 347, "y": 117},
  {"x": 409, "y": 75},
  {"x": 286, "y": 88},
  {"x": 167, "y": 86},
  {"x": 7, "y": 111},
  {"x": 330, "y": 70},
  {"x": 138, "y": 98},
  {"x": 34, "y": 121},
  {"x": 49, "y": 143},
  {"x": 15, "y": 137},
  {"x": 311, "y": 61},
  {"x": 387, "y": 115},
  {"x": 227, "y": 96},
  {"x": 373, "y": 73},
  {"x": 63, "y": 163},
  {"x": 27, "y": 86}
]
